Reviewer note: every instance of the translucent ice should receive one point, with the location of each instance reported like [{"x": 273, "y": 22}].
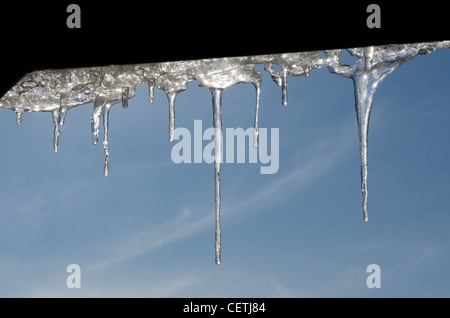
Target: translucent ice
[
  {"x": 97, "y": 113},
  {"x": 56, "y": 132},
  {"x": 372, "y": 66},
  {"x": 57, "y": 91},
  {"x": 217, "y": 121}
]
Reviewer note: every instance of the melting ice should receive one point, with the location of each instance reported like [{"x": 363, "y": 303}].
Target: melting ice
[{"x": 57, "y": 91}]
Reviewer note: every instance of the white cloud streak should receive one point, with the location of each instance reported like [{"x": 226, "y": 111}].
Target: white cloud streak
[{"x": 321, "y": 158}]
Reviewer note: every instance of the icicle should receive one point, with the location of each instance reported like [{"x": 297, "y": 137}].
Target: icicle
[
  {"x": 367, "y": 73},
  {"x": 125, "y": 96},
  {"x": 365, "y": 87},
  {"x": 280, "y": 78},
  {"x": 217, "y": 120},
  {"x": 105, "y": 137},
  {"x": 99, "y": 105},
  {"x": 56, "y": 132},
  {"x": 101, "y": 109},
  {"x": 364, "y": 93},
  {"x": 366, "y": 77},
  {"x": 151, "y": 90},
  {"x": 19, "y": 113},
  {"x": 63, "y": 101},
  {"x": 365, "y": 84},
  {"x": 284, "y": 86},
  {"x": 171, "y": 97},
  {"x": 256, "y": 128},
  {"x": 37, "y": 90}
]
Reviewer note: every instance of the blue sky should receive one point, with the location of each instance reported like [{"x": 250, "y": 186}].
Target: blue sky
[{"x": 147, "y": 230}]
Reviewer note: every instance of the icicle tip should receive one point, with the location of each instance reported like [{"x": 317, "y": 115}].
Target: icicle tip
[{"x": 366, "y": 216}]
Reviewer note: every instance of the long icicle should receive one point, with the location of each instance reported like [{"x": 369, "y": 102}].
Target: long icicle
[
  {"x": 365, "y": 82},
  {"x": 217, "y": 121},
  {"x": 364, "y": 92},
  {"x": 105, "y": 137},
  {"x": 284, "y": 86},
  {"x": 256, "y": 127}
]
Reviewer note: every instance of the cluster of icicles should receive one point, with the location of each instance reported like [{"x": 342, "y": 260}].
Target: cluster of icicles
[{"x": 57, "y": 91}]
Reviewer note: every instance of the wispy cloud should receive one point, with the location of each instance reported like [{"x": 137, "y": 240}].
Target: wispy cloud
[
  {"x": 104, "y": 286},
  {"x": 101, "y": 256},
  {"x": 322, "y": 157},
  {"x": 151, "y": 237}
]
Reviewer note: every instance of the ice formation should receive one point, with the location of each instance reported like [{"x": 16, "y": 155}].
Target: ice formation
[
  {"x": 372, "y": 66},
  {"x": 57, "y": 91}
]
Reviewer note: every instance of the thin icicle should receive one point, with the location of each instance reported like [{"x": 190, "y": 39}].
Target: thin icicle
[
  {"x": 56, "y": 132},
  {"x": 125, "y": 96},
  {"x": 256, "y": 128},
  {"x": 63, "y": 107},
  {"x": 151, "y": 90},
  {"x": 97, "y": 112},
  {"x": 105, "y": 137},
  {"x": 284, "y": 86},
  {"x": 171, "y": 97},
  {"x": 19, "y": 113},
  {"x": 217, "y": 121}
]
